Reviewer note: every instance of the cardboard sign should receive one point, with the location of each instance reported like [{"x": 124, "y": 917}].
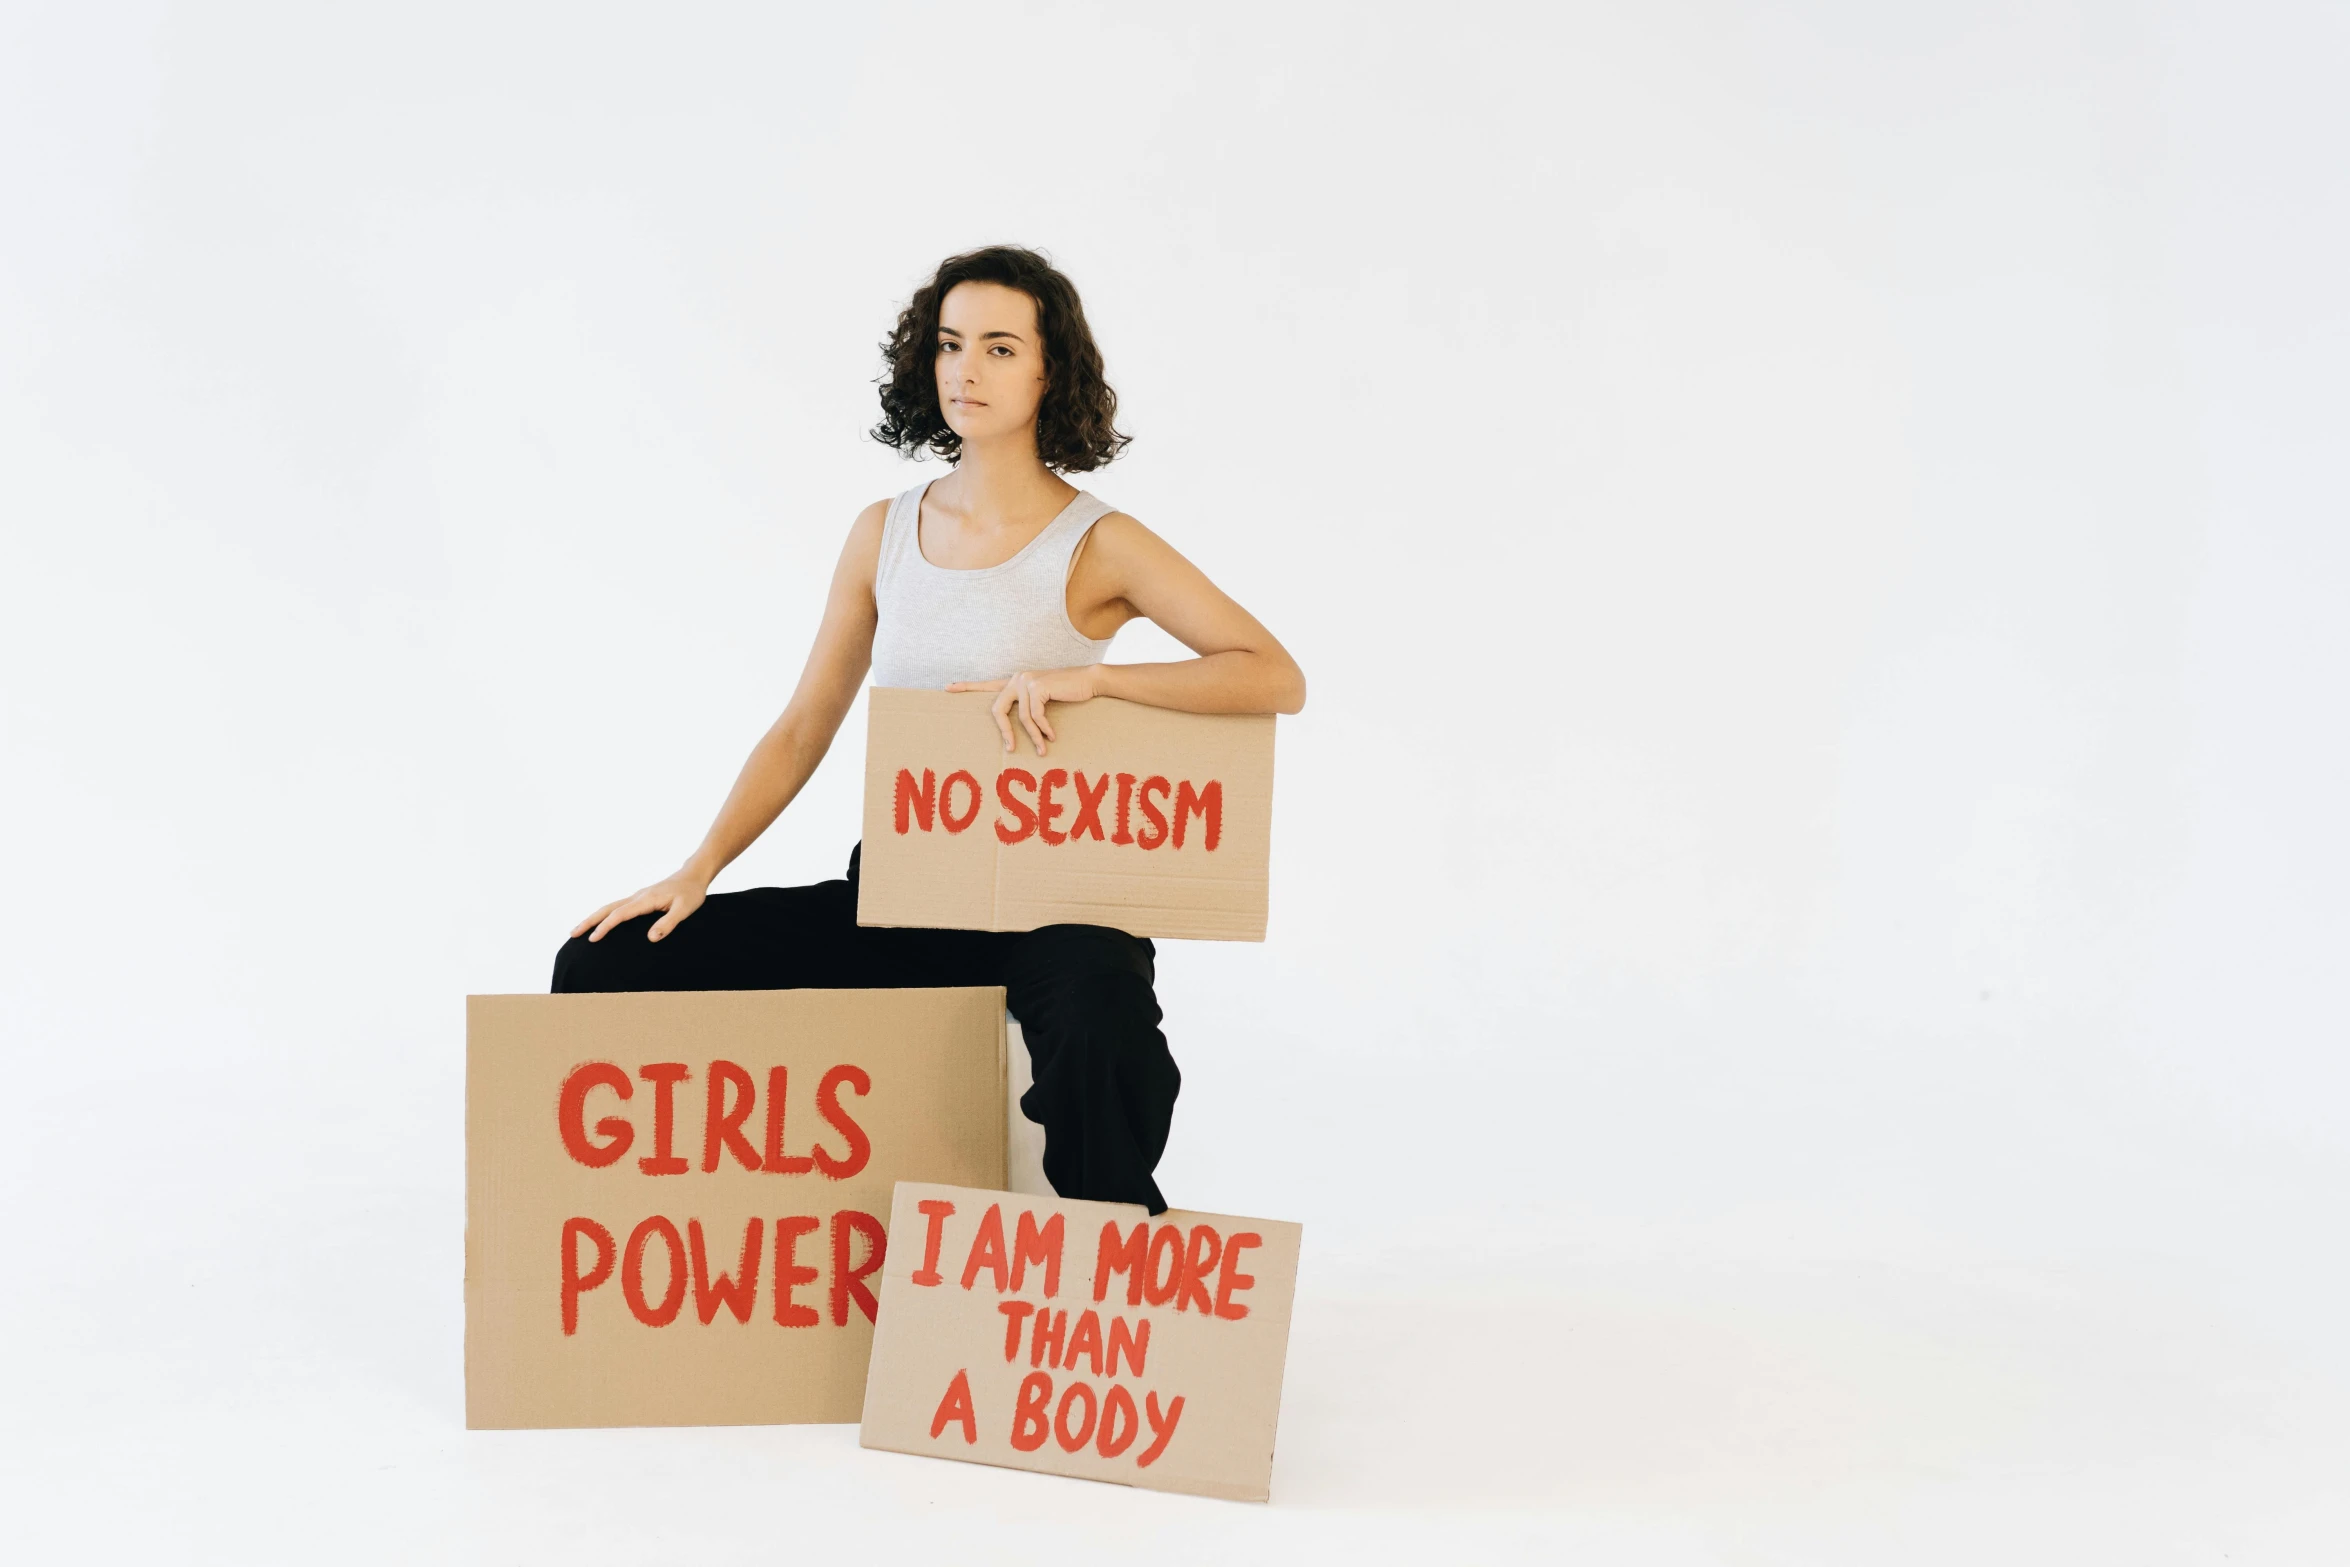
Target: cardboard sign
[
  {"x": 675, "y": 1203},
  {"x": 1023, "y": 1138},
  {"x": 1083, "y": 1338},
  {"x": 1154, "y": 822}
]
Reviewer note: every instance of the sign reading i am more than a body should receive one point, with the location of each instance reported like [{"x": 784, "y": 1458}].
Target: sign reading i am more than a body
[
  {"x": 676, "y": 1203},
  {"x": 1155, "y": 822},
  {"x": 1083, "y": 1338}
]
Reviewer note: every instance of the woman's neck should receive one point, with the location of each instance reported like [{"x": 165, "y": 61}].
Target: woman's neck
[{"x": 1003, "y": 483}]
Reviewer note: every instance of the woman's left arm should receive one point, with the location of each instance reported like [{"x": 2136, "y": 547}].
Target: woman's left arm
[{"x": 1125, "y": 572}]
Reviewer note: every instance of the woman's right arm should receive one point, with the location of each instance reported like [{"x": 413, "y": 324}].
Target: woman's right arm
[{"x": 786, "y": 756}]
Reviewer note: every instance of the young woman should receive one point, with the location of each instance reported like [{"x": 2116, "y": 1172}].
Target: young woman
[{"x": 1000, "y": 576}]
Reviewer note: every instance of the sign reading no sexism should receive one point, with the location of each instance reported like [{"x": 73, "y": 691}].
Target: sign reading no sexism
[
  {"x": 1158, "y": 823},
  {"x": 675, "y": 1202},
  {"x": 1084, "y": 1339}
]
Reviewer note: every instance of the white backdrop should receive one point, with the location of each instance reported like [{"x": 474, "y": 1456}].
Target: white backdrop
[{"x": 1797, "y": 1017}]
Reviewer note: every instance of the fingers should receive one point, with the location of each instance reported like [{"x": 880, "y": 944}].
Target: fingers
[
  {"x": 1043, "y": 711},
  {"x": 1029, "y": 708},
  {"x": 588, "y": 924},
  {"x": 1002, "y": 708},
  {"x": 625, "y": 910},
  {"x": 680, "y": 906},
  {"x": 1025, "y": 695}
]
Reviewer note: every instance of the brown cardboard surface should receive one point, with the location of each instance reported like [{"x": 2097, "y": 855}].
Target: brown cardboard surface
[
  {"x": 931, "y": 1107},
  {"x": 954, "y": 850},
  {"x": 960, "y": 1369}
]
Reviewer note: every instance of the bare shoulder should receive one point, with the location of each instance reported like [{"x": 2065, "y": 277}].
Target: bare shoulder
[
  {"x": 865, "y": 532},
  {"x": 1133, "y": 551},
  {"x": 1123, "y": 536},
  {"x": 861, "y": 554}
]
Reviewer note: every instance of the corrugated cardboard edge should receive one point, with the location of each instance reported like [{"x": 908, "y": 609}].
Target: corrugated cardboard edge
[
  {"x": 465, "y": 1287},
  {"x": 1003, "y": 1076}
]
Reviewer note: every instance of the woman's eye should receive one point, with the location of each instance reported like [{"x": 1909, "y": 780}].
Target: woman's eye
[{"x": 1004, "y": 349}]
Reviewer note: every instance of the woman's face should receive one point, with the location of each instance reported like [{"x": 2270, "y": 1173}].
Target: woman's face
[{"x": 990, "y": 361}]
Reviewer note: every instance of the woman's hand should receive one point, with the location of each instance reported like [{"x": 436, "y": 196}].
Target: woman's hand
[
  {"x": 680, "y": 894},
  {"x": 1028, "y": 692}
]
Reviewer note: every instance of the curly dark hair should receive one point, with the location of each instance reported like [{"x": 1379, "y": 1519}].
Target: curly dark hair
[{"x": 1075, "y": 432}]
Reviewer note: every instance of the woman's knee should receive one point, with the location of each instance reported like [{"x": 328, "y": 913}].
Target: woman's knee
[
  {"x": 573, "y": 962},
  {"x": 582, "y": 965},
  {"x": 1047, "y": 967},
  {"x": 1118, "y": 1004},
  {"x": 1099, "y": 1027}
]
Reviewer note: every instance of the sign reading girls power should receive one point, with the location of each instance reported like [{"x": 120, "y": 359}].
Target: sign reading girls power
[
  {"x": 1155, "y": 822},
  {"x": 1083, "y": 1338},
  {"x": 674, "y": 1203}
]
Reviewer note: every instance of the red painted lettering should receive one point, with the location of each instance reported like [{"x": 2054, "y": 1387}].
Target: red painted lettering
[
  {"x": 778, "y": 1162},
  {"x": 1029, "y": 1423},
  {"x": 849, "y": 1283},
  {"x": 1047, "y": 807},
  {"x": 790, "y": 1273},
  {"x": 1020, "y": 809},
  {"x": 664, "y": 1076},
  {"x": 632, "y": 1273},
  {"x": 828, "y": 1106},
  {"x": 576, "y": 1283},
  {"x": 1162, "y": 1428},
  {"x": 1136, "y": 1344},
  {"x": 955, "y": 1409},
  {"x": 1168, "y": 1242},
  {"x": 1196, "y": 1264},
  {"x": 1152, "y": 814},
  {"x": 722, "y": 1128},
  {"x": 1125, "y": 799},
  {"x": 1232, "y": 1280},
  {"x": 1073, "y": 1439},
  {"x": 737, "y": 1294},
  {"x": 1044, "y": 1344},
  {"x": 1086, "y": 1341},
  {"x": 936, "y": 1212},
  {"x": 1030, "y": 1244},
  {"x": 916, "y": 802},
  {"x": 571, "y": 1115},
  {"x": 1015, "y": 1312},
  {"x": 1118, "y": 1405},
  {"x": 987, "y": 1249},
  {"x": 1121, "y": 1256},
  {"x": 946, "y": 801},
  {"x": 1089, "y": 807},
  {"x": 1207, "y": 805}
]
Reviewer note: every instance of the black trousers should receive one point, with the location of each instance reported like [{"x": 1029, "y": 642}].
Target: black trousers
[{"x": 1105, "y": 1084}]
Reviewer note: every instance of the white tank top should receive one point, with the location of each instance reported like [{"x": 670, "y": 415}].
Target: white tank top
[{"x": 938, "y": 626}]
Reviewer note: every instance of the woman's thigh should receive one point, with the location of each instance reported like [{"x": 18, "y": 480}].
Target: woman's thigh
[
  {"x": 1086, "y": 985},
  {"x": 778, "y": 938},
  {"x": 766, "y": 938},
  {"x": 1054, "y": 957}
]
